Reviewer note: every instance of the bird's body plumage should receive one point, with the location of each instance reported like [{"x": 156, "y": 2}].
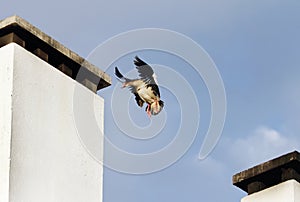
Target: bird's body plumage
[{"x": 145, "y": 88}]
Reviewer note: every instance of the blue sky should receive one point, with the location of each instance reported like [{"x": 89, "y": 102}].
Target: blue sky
[{"x": 254, "y": 44}]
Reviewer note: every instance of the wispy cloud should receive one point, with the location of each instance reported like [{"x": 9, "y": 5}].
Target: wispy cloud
[{"x": 262, "y": 144}]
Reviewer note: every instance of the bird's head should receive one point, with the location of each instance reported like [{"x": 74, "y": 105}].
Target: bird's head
[{"x": 156, "y": 107}]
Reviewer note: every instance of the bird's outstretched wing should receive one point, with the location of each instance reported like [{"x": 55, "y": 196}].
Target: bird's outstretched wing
[
  {"x": 145, "y": 71},
  {"x": 147, "y": 74}
]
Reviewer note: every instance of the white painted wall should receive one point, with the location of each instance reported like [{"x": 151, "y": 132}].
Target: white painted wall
[
  {"x": 288, "y": 191},
  {"x": 6, "y": 80},
  {"x": 48, "y": 162}
]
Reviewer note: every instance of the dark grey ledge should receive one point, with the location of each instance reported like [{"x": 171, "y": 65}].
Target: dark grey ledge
[
  {"x": 270, "y": 173},
  {"x": 17, "y": 30}
]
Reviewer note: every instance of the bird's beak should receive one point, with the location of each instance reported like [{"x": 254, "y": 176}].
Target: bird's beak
[{"x": 155, "y": 108}]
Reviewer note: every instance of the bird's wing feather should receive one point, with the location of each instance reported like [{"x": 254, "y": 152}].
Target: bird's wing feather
[
  {"x": 145, "y": 71},
  {"x": 147, "y": 74}
]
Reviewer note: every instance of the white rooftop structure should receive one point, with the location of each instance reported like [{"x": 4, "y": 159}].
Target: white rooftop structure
[{"x": 41, "y": 155}]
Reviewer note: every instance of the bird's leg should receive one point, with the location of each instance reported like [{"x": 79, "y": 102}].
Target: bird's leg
[{"x": 148, "y": 111}]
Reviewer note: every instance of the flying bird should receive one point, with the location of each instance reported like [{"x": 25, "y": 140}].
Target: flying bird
[{"x": 145, "y": 88}]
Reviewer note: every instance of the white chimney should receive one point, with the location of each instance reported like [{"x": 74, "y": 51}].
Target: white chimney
[
  {"x": 41, "y": 155},
  {"x": 274, "y": 181}
]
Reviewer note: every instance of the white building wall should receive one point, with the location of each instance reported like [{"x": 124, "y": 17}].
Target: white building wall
[
  {"x": 288, "y": 191},
  {"x": 6, "y": 80},
  {"x": 48, "y": 162}
]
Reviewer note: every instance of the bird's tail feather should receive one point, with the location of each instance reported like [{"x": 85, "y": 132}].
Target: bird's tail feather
[
  {"x": 118, "y": 73},
  {"x": 120, "y": 76}
]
